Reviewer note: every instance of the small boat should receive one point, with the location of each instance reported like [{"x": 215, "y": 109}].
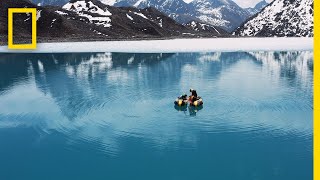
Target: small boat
[
  {"x": 196, "y": 103},
  {"x": 181, "y": 100}
]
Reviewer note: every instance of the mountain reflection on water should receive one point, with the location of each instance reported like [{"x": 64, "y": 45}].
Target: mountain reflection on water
[
  {"x": 83, "y": 88},
  {"x": 256, "y": 121}
]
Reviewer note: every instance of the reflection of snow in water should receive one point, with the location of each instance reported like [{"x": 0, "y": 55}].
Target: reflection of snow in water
[
  {"x": 210, "y": 57},
  {"x": 89, "y": 67},
  {"x": 41, "y": 69},
  {"x": 118, "y": 75},
  {"x": 106, "y": 123},
  {"x": 298, "y": 62}
]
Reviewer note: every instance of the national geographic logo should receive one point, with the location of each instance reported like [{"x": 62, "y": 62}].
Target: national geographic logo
[{"x": 33, "y": 12}]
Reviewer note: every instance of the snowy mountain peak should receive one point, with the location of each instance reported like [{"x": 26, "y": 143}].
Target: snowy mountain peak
[
  {"x": 281, "y": 18},
  {"x": 86, "y": 6},
  {"x": 87, "y": 9},
  {"x": 222, "y": 13}
]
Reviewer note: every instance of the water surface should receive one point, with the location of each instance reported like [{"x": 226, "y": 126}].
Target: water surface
[{"x": 111, "y": 116}]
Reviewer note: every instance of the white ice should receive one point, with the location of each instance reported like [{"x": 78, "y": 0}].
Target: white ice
[{"x": 176, "y": 45}]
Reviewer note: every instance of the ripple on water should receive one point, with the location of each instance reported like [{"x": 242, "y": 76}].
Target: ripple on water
[{"x": 100, "y": 106}]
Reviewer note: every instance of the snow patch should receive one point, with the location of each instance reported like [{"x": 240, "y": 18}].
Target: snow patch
[
  {"x": 109, "y": 2},
  {"x": 138, "y": 3},
  {"x": 160, "y": 23},
  {"x": 140, "y": 14},
  {"x": 129, "y": 17},
  {"x": 54, "y": 20},
  {"x": 38, "y": 14},
  {"x": 61, "y": 13}
]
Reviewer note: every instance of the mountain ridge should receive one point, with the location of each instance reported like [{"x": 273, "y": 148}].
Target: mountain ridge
[
  {"x": 87, "y": 20},
  {"x": 281, "y": 18},
  {"x": 225, "y": 13}
]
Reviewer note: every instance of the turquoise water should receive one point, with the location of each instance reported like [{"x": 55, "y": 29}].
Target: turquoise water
[{"x": 111, "y": 116}]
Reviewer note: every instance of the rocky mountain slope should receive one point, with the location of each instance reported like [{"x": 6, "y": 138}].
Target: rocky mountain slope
[
  {"x": 176, "y": 9},
  {"x": 93, "y": 20},
  {"x": 50, "y": 24},
  {"x": 205, "y": 28},
  {"x": 282, "y": 18},
  {"x": 223, "y": 13}
]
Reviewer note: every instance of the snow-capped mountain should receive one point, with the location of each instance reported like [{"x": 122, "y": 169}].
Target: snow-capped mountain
[
  {"x": 125, "y": 20},
  {"x": 92, "y": 20},
  {"x": 257, "y": 8},
  {"x": 223, "y": 13},
  {"x": 281, "y": 18},
  {"x": 176, "y": 9},
  {"x": 90, "y": 11}
]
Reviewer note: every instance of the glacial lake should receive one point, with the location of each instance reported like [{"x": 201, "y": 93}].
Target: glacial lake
[{"x": 111, "y": 116}]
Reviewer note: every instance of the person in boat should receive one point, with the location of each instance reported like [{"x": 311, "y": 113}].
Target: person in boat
[
  {"x": 183, "y": 96},
  {"x": 194, "y": 95}
]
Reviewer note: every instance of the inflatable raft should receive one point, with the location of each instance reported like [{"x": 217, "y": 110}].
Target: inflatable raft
[
  {"x": 181, "y": 101},
  {"x": 196, "y": 103}
]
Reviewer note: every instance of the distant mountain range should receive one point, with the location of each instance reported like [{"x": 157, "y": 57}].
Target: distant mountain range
[
  {"x": 282, "y": 18},
  {"x": 93, "y": 20},
  {"x": 85, "y": 20},
  {"x": 222, "y": 13}
]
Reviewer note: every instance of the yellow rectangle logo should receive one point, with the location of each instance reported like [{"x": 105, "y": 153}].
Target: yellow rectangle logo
[{"x": 33, "y": 44}]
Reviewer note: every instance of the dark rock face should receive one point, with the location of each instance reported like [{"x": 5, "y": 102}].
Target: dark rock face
[{"x": 282, "y": 18}]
